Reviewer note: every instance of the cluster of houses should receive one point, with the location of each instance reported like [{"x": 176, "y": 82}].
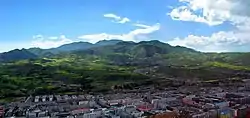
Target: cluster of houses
[
  {"x": 219, "y": 105},
  {"x": 192, "y": 102}
]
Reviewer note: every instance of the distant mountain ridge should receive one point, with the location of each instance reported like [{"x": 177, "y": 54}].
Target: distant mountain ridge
[
  {"x": 140, "y": 49},
  {"x": 107, "y": 42},
  {"x": 17, "y": 55},
  {"x": 32, "y": 53},
  {"x": 72, "y": 47}
]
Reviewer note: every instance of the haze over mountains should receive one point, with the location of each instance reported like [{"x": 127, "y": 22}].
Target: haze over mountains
[
  {"x": 37, "y": 52},
  {"x": 80, "y": 46},
  {"x": 144, "y": 53},
  {"x": 108, "y": 63}
]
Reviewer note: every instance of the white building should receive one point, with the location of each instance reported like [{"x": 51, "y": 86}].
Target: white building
[
  {"x": 51, "y": 98},
  {"x": 159, "y": 103},
  {"x": 43, "y": 98},
  {"x": 37, "y": 99}
]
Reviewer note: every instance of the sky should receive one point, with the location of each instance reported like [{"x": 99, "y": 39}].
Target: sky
[{"x": 204, "y": 25}]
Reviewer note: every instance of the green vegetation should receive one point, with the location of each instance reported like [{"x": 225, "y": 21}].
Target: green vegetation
[
  {"x": 228, "y": 66},
  {"x": 101, "y": 67},
  {"x": 60, "y": 74}
]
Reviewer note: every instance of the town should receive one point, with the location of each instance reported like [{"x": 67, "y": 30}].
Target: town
[{"x": 207, "y": 100}]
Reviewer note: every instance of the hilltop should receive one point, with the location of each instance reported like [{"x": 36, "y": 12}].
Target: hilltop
[{"x": 101, "y": 66}]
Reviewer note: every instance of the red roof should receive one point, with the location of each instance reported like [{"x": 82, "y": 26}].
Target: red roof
[{"x": 144, "y": 108}]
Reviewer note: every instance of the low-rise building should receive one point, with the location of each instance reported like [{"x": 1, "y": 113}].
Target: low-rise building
[{"x": 32, "y": 115}]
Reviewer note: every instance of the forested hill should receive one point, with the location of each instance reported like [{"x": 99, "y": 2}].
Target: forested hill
[
  {"x": 17, "y": 54},
  {"x": 141, "y": 49},
  {"x": 98, "y": 67}
]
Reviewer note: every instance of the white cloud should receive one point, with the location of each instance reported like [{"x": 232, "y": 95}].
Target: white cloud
[
  {"x": 39, "y": 36},
  {"x": 123, "y": 20},
  {"x": 183, "y": 13},
  {"x": 217, "y": 42},
  {"x": 170, "y": 7},
  {"x": 50, "y": 42},
  {"x": 134, "y": 35},
  {"x": 141, "y": 25},
  {"x": 53, "y": 37},
  {"x": 116, "y": 18},
  {"x": 93, "y": 38},
  {"x": 112, "y": 16},
  {"x": 215, "y": 12}
]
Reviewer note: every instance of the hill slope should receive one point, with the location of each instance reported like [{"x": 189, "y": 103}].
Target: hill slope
[
  {"x": 99, "y": 68},
  {"x": 144, "y": 49},
  {"x": 17, "y": 55},
  {"x": 76, "y": 46}
]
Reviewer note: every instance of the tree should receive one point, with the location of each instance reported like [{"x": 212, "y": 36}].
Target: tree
[{"x": 85, "y": 82}]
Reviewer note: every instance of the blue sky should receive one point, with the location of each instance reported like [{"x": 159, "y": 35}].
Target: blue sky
[{"x": 51, "y": 23}]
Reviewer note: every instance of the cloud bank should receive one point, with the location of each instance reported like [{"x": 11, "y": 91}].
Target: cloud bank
[
  {"x": 135, "y": 35},
  {"x": 212, "y": 13}
]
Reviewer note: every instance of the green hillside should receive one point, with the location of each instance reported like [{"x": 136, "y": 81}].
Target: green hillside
[{"x": 100, "y": 68}]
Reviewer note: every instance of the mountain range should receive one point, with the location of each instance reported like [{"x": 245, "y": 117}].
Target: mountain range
[
  {"x": 128, "y": 52},
  {"x": 144, "y": 48},
  {"x": 30, "y": 53},
  {"x": 100, "y": 66}
]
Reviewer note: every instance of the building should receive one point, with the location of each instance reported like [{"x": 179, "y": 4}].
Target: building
[
  {"x": 159, "y": 103},
  {"x": 1, "y": 112},
  {"x": 36, "y": 99},
  {"x": 80, "y": 111}
]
